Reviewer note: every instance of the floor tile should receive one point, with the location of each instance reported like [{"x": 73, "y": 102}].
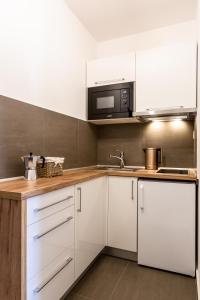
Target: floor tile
[
  {"x": 141, "y": 283},
  {"x": 101, "y": 279},
  {"x": 73, "y": 296},
  {"x": 117, "y": 279}
]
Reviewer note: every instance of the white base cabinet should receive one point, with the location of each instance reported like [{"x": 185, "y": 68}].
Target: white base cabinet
[
  {"x": 48, "y": 239},
  {"x": 53, "y": 281},
  {"x": 122, "y": 213},
  {"x": 90, "y": 222},
  {"x": 166, "y": 225},
  {"x": 68, "y": 228},
  {"x": 50, "y": 245}
]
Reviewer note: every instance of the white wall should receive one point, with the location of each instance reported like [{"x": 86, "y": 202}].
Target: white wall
[
  {"x": 183, "y": 32},
  {"x": 43, "y": 53},
  {"x": 198, "y": 147},
  {"x": 44, "y": 49}
]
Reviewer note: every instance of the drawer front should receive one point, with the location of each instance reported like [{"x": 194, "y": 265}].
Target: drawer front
[
  {"x": 53, "y": 281},
  {"x": 48, "y": 239},
  {"x": 42, "y": 206}
]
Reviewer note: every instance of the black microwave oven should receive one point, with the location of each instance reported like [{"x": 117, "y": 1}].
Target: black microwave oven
[{"x": 111, "y": 101}]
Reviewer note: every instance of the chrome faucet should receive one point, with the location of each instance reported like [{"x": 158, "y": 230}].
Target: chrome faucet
[{"x": 120, "y": 157}]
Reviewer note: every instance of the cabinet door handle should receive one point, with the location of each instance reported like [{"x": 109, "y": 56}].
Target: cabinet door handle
[
  {"x": 163, "y": 108},
  {"x": 109, "y": 81},
  {"x": 80, "y": 199},
  {"x": 42, "y": 285},
  {"x": 142, "y": 197},
  {"x": 38, "y": 236},
  {"x": 36, "y": 210},
  {"x": 132, "y": 191}
]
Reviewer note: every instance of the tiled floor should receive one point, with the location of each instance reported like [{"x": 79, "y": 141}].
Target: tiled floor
[{"x": 116, "y": 279}]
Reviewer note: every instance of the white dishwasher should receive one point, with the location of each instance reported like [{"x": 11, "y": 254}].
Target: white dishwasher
[{"x": 166, "y": 225}]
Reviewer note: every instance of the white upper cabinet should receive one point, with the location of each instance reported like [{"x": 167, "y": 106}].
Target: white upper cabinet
[
  {"x": 115, "y": 69},
  {"x": 166, "y": 77}
]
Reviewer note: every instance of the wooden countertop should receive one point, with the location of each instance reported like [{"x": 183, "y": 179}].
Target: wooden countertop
[
  {"x": 152, "y": 174},
  {"x": 21, "y": 189}
]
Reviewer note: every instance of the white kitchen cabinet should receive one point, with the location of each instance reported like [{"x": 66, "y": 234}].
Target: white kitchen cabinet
[
  {"x": 50, "y": 266},
  {"x": 166, "y": 225},
  {"x": 122, "y": 213},
  {"x": 46, "y": 240},
  {"x": 166, "y": 77},
  {"x": 53, "y": 281},
  {"x": 90, "y": 222},
  {"x": 42, "y": 206},
  {"x": 110, "y": 70}
]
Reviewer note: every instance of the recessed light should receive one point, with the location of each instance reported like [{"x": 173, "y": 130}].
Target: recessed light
[
  {"x": 156, "y": 124},
  {"x": 177, "y": 123}
]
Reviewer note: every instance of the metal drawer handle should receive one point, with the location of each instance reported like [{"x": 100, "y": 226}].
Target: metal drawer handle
[
  {"x": 36, "y": 210},
  {"x": 38, "y": 236},
  {"x": 142, "y": 197},
  {"x": 80, "y": 199},
  {"x": 108, "y": 81},
  {"x": 164, "y": 108},
  {"x": 132, "y": 196},
  {"x": 40, "y": 287}
]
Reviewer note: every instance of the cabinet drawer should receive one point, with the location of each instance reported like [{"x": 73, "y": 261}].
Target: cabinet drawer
[
  {"x": 40, "y": 207},
  {"x": 48, "y": 239},
  {"x": 52, "y": 282}
]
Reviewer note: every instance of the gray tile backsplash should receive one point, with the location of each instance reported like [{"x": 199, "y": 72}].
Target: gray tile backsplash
[
  {"x": 26, "y": 128},
  {"x": 175, "y": 139}
]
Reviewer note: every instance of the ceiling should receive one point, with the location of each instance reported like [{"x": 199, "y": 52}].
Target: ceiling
[{"x": 108, "y": 19}]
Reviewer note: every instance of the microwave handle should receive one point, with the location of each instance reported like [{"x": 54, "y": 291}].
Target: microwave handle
[{"x": 109, "y": 81}]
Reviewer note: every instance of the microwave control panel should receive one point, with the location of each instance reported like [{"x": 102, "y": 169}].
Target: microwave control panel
[{"x": 125, "y": 98}]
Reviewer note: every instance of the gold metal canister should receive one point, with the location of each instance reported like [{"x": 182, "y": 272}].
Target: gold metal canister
[{"x": 153, "y": 156}]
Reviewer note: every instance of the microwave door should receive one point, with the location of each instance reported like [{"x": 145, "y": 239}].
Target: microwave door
[{"x": 106, "y": 102}]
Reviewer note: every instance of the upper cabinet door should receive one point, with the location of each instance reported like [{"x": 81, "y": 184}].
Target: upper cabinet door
[
  {"x": 111, "y": 70},
  {"x": 166, "y": 77}
]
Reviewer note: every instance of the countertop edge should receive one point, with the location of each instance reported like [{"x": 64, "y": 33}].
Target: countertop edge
[
  {"x": 39, "y": 191},
  {"x": 79, "y": 176}
]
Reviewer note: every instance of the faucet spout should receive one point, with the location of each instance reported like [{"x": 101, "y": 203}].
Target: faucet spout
[{"x": 120, "y": 157}]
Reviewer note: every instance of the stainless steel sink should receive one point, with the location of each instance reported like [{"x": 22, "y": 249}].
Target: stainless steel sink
[
  {"x": 173, "y": 171},
  {"x": 118, "y": 169}
]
